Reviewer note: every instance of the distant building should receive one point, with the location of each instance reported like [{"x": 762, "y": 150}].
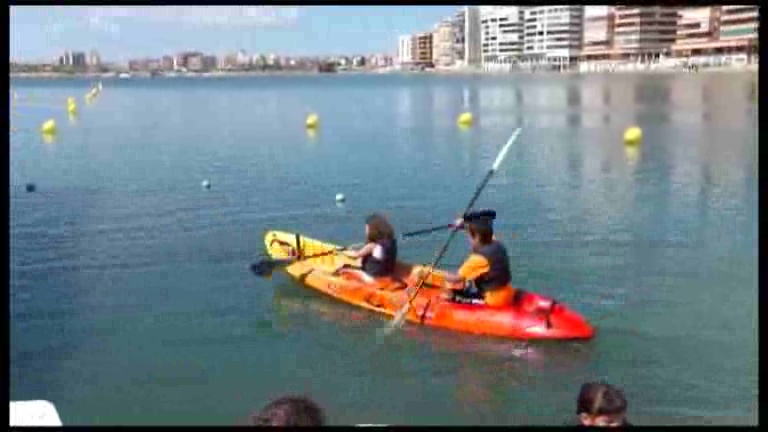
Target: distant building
[
  {"x": 739, "y": 22},
  {"x": 379, "y": 60},
  {"x": 155, "y": 64},
  {"x": 458, "y": 22},
  {"x": 502, "y": 36},
  {"x": 75, "y": 59},
  {"x": 94, "y": 59},
  {"x": 194, "y": 63},
  {"x": 181, "y": 60},
  {"x": 706, "y": 31},
  {"x": 597, "y": 42},
  {"x": 552, "y": 35},
  {"x": 65, "y": 59},
  {"x": 79, "y": 59},
  {"x": 343, "y": 61},
  {"x": 472, "y": 36},
  {"x": 137, "y": 65},
  {"x": 358, "y": 61},
  {"x": 242, "y": 58},
  {"x": 442, "y": 44},
  {"x": 405, "y": 50},
  {"x": 598, "y": 28},
  {"x": 209, "y": 62},
  {"x": 259, "y": 60},
  {"x": 229, "y": 61},
  {"x": 644, "y": 32},
  {"x": 166, "y": 63},
  {"x": 422, "y": 49}
]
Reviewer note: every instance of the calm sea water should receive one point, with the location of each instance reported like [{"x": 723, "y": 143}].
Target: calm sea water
[{"x": 131, "y": 300}]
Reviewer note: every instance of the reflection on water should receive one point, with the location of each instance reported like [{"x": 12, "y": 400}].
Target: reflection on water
[
  {"x": 311, "y": 135},
  {"x": 404, "y": 107},
  {"x": 633, "y": 154},
  {"x": 48, "y": 138}
]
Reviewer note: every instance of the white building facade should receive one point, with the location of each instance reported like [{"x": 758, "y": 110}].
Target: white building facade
[
  {"x": 472, "y": 36},
  {"x": 552, "y": 35},
  {"x": 442, "y": 44},
  {"x": 405, "y": 50},
  {"x": 501, "y": 37}
]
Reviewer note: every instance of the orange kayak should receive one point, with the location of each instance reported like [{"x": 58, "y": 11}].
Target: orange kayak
[{"x": 533, "y": 316}]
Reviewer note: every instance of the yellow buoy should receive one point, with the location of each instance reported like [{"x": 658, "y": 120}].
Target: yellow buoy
[
  {"x": 49, "y": 127},
  {"x": 72, "y": 108},
  {"x": 633, "y": 136},
  {"x": 465, "y": 119},
  {"x": 312, "y": 121}
]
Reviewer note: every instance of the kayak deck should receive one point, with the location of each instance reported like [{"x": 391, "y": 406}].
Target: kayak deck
[{"x": 532, "y": 317}]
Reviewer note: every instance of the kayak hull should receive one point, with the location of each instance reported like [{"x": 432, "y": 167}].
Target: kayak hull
[{"x": 533, "y": 317}]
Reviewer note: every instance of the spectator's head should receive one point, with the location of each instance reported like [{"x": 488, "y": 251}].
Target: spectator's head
[
  {"x": 289, "y": 411},
  {"x": 601, "y": 405}
]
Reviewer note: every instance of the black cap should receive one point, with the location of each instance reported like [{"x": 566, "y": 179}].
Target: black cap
[{"x": 483, "y": 217}]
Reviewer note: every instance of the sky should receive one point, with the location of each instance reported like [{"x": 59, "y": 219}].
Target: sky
[{"x": 40, "y": 33}]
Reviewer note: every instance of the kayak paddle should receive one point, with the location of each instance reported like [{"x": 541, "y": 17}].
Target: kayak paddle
[
  {"x": 426, "y": 231},
  {"x": 399, "y": 318},
  {"x": 267, "y": 265},
  {"x": 406, "y": 235}
]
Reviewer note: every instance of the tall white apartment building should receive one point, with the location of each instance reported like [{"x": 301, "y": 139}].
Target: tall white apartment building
[
  {"x": 442, "y": 44},
  {"x": 472, "y": 36},
  {"x": 501, "y": 37},
  {"x": 552, "y": 35},
  {"x": 405, "y": 50},
  {"x": 458, "y": 22}
]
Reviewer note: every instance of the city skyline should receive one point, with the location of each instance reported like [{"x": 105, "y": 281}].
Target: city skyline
[{"x": 40, "y": 33}]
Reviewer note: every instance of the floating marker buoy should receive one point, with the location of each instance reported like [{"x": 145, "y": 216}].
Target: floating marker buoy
[
  {"x": 465, "y": 119},
  {"x": 49, "y": 127},
  {"x": 72, "y": 108},
  {"x": 633, "y": 136},
  {"x": 340, "y": 198},
  {"x": 30, "y": 187},
  {"x": 206, "y": 184},
  {"x": 312, "y": 121}
]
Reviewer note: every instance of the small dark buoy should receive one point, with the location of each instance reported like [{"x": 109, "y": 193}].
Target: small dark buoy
[{"x": 31, "y": 187}]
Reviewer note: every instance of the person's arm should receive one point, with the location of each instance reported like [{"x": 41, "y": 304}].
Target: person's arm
[
  {"x": 476, "y": 265},
  {"x": 452, "y": 278},
  {"x": 473, "y": 267},
  {"x": 364, "y": 251}
]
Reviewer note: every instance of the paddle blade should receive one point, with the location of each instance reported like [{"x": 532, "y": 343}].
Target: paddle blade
[
  {"x": 398, "y": 320},
  {"x": 264, "y": 268}
]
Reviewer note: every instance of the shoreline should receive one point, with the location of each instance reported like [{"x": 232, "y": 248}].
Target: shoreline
[{"x": 442, "y": 72}]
